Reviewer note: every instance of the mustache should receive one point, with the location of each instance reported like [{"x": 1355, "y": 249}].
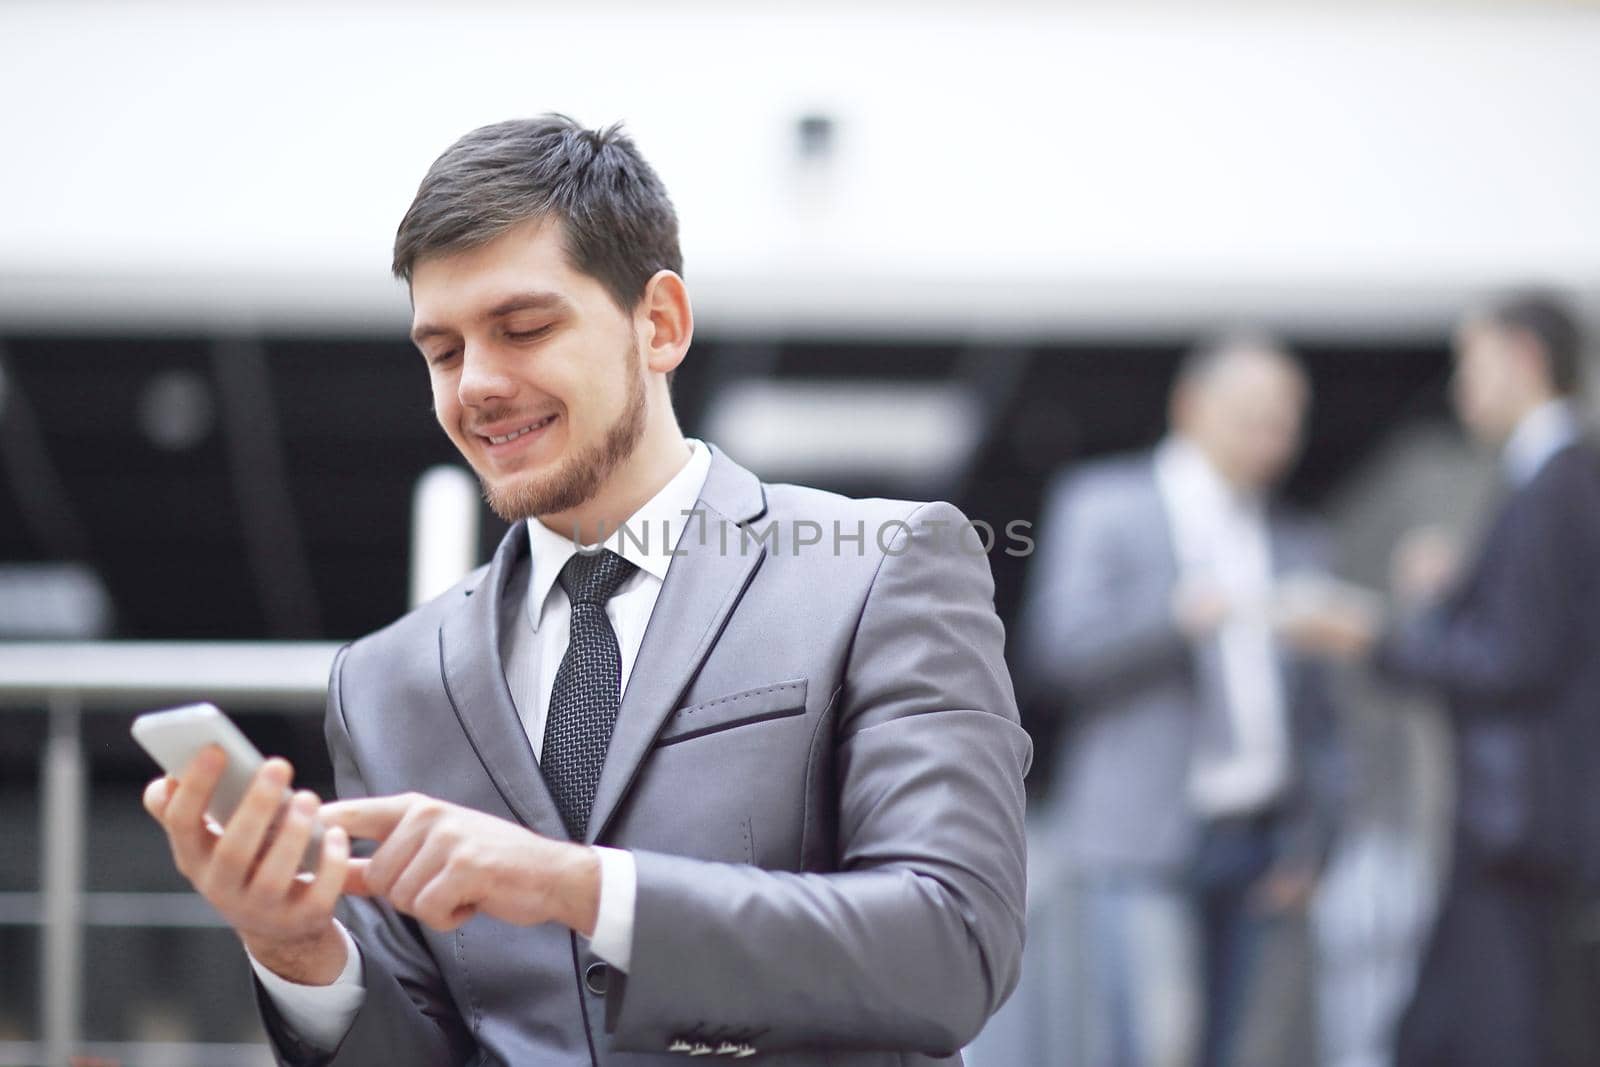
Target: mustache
[{"x": 501, "y": 416}]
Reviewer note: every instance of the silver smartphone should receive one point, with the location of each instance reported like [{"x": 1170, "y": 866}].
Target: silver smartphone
[{"x": 174, "y": 737}]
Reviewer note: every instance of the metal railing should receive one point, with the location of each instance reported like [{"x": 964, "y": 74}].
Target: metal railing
[{"x": 68, "y": 680}]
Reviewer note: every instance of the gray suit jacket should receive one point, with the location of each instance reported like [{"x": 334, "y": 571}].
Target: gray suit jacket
[
  {"x": 1098, "y": 636},
  {"x": 817, "y": 765}
]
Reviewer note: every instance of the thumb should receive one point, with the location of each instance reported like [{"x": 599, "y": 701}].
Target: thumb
[{"x": 157, "y": 795}]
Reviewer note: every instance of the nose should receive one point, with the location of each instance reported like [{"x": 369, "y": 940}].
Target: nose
[{"x": 485, "y": 377}]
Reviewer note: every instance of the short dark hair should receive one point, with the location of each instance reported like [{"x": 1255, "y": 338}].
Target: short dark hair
[
  {"x": 1542, "y": 316},
  {"x": 618, "y": 225}
]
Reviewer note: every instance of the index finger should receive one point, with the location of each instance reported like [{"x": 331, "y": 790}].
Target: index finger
[{"x": 373, "y": 818}]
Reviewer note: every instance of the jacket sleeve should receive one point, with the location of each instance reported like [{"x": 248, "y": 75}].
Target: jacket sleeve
[
  {"x": 407, "y": 1018},
  {"x": 917, "y": 937},
  {"x": 1099, "y": 620},
  {"x": 1503, "y": 637}
]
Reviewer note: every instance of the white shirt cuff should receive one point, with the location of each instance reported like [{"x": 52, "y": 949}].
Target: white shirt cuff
[
  {"x": 613, "y": 926},
  {"x": 320, "y": 1015}
]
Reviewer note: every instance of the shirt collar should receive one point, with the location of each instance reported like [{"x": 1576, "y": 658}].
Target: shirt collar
[
  {"x": 646, "y": 539},
  {"x": 1543, "y": 432},
  {"x": 1183, "y": 465}
]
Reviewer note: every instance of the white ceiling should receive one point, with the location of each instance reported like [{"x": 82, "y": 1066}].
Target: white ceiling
[{"x": 1025, "y": 168}]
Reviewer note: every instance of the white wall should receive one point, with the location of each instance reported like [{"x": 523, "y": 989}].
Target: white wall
[{"x": 1007, "y": 167}]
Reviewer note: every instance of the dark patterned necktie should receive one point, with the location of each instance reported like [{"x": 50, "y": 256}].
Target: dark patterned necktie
[{"x": 587, "y": 690}]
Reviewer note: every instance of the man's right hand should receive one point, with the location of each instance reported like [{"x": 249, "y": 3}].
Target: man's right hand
[{"x": 248, "y": 871}]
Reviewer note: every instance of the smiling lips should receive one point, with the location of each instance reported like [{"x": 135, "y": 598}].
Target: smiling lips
[{"x": 500, "y": 439}]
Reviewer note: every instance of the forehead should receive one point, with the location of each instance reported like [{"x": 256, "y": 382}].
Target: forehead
[
  {"x": 451, "y": 288},
  {"x": 1251, "y": 379},
  {"x": 1476, "y": 334}
]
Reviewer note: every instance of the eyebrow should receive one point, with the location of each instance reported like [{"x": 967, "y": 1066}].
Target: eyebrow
[{"x": 528, "y": 301}]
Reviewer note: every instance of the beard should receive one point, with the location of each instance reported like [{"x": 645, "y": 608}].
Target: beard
[{"x": 579, "y": 477}]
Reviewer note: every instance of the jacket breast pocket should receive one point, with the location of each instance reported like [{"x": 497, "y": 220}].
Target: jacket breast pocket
[{"x": 776, "y": 701}]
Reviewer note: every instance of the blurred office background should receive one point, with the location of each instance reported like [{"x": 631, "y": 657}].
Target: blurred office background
[{"x": 936, "y": 250}]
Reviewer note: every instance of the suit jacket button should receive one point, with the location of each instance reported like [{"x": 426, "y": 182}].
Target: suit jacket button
[{"x": 596, "y": 978}]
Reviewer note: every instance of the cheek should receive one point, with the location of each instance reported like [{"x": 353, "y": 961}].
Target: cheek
[
  {"x": 1478, "y": 392},
  {"x": 589, "y": 406},
  {"x": 1484, "y": 379},
  {"x": 1266, "y": 447},
  {"x": 445, "y": 407}
]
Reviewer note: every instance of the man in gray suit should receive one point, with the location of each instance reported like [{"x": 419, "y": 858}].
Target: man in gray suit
[
  {"x": 742, "y": 777},
  {"x": 1196, "y": 777}
]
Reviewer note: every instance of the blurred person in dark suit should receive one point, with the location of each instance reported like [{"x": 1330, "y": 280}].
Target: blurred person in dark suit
[
  {"x": 1509, "y": 640},
  {"x": 1201, "y": 774}
]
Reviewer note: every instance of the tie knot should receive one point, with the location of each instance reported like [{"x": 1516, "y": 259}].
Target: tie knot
[{"x": 593, "y": 579}]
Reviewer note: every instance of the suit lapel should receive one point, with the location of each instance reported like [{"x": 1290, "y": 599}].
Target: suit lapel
[
  {"x": 475, "y": 679},
  {"x": 1160, "y": 524},
  {"x": 1291, "y": 553},
  {"x": 703, "y": 586}
]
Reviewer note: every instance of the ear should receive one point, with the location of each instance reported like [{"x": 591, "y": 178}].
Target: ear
[{"x": 665, "y": 321}]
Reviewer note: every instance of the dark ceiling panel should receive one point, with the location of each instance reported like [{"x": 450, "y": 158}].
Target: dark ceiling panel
[{"x": 354, "y": 423}]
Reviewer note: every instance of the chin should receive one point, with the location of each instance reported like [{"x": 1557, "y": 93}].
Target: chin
[
  {"x": 517, "y": 498},
  {"x": 1485, "y": 431},
  {"x": 530, "y": 496}
]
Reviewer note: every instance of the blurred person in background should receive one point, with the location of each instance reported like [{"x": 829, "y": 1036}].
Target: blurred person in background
[
  {"x": 1201, "y": 775},
  {"x": 1510, "y": 639}
]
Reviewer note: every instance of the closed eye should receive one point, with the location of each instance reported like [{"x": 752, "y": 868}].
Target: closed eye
[{"x": 529, "y": 335}]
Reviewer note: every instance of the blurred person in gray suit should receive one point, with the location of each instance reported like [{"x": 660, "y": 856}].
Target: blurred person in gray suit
[
  {"x": 1200, "y": 774},
  {"x": 745, "y": 779}
]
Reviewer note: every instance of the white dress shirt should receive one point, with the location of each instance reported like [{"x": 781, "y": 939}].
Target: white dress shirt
[
  {"x": 1543, "y": 432},
  {"x": 1222, "y": 541},
  {"x": 321, "y": 1015}
]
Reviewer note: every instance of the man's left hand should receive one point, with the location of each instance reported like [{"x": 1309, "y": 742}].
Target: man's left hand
[{"x": 443, "y": 864}]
